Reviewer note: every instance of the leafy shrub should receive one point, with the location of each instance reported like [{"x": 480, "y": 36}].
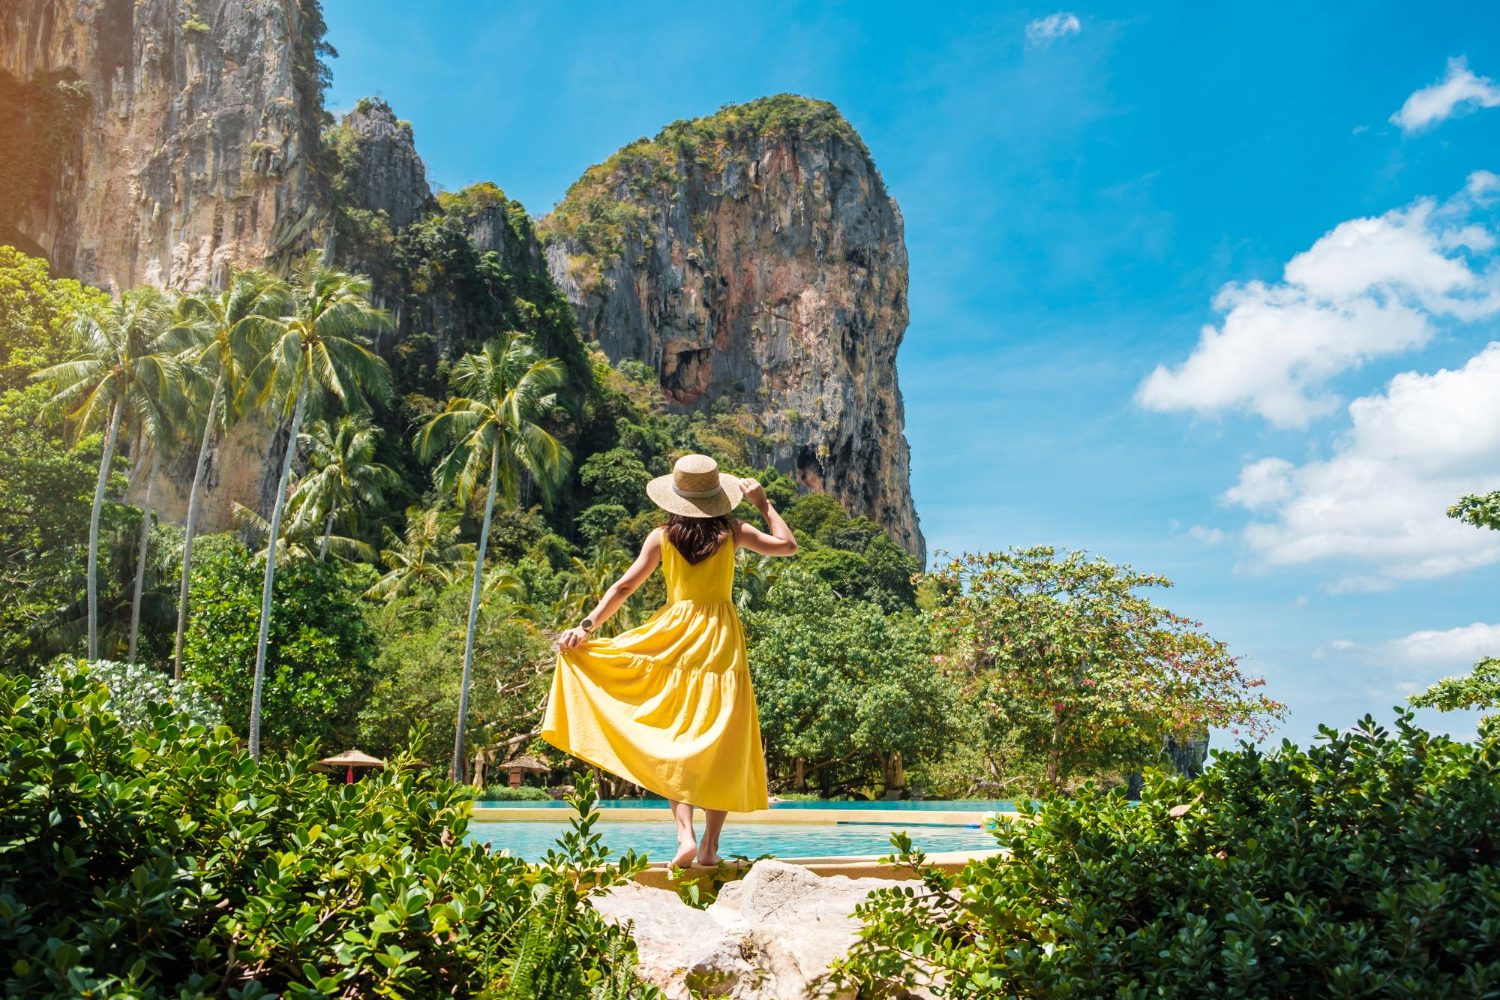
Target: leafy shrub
[
  {"x": 318, "y": 674},
  {"x": 165, "y": 862},
  {"x": 1366, "y": 866},
  {"x": 134, "y": 688},
  {"x": 505, "y": 793}
]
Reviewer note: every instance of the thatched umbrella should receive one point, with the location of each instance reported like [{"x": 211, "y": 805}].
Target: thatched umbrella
[
  {"x": 523, "y": 764},
  {"x": 351, "y": 759}
]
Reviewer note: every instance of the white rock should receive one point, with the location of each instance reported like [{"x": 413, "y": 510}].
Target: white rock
[{"x": 770, "y": 935}]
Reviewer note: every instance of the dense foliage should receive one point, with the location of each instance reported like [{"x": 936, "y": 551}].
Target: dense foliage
[
  {"x": 165, "y": 862},
  {"x": 848, "y": 695},
  {"x": 1069, "y": 651},
  {"x": 318, "y": 673},
  {"x": 1365, "y": 866},
  {"x": 134, "y": 691}
]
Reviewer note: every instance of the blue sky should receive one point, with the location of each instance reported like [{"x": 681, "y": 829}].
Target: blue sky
[{"x": 1199, "y": 288}]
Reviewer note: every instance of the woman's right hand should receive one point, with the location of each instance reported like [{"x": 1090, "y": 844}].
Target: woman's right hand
[
  {"x": 571, "y": 638},
  {"x": 754, "y": 492}
]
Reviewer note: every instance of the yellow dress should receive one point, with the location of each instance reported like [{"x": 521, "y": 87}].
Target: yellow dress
[{"x": 669, "y": 705}]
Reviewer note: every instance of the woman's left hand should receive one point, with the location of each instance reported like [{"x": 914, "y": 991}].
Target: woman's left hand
[{"x": 571, "y": 638}]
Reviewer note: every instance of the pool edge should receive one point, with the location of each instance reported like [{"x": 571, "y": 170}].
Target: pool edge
[{"x": 658, "y": 876}]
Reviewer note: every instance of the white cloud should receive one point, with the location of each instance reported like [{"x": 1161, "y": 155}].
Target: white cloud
[
  {"x": 1208, "y": 536},
  {"x": 1046, "y": 30},
  {"x": 1368, "y": 288},
  {"x": 1455, "y": 93},
  {"x": 1380, "y": 499},
  {"x": 1463, "y": 645}
]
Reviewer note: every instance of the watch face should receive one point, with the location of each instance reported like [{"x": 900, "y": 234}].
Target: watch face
[{"x": 588, "y": 623}]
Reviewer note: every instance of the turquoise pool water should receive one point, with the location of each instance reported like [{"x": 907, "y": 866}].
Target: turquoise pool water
[
  {"x": 926, "y": 805},
  {"x": 532, "y": 840}
]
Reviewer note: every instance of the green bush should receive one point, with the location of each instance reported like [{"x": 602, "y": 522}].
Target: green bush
[
  {"x": 504, "y": 793},
  {"x": 165, "y": 862},
  {"x": 1366, "y": 866},
  {"x": 134, "y": 688},
  {"x": 319, "y": 668}
]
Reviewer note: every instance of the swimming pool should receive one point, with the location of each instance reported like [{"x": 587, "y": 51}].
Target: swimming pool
[
  {"x": 924, "y": 805},
  {"x": 658, "y": 841}
]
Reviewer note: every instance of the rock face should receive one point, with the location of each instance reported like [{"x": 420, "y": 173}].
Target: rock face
[
  {"x": 195, "y": 150},
  {"x": 385, "y": 174},
  {"x": 754, "y": 256},
  {"x": 769, "y": 935}
]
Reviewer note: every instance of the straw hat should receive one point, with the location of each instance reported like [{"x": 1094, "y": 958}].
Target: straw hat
[{"x": 696, "y": 488}]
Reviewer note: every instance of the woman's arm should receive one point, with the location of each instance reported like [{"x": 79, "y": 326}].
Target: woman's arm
[
  {"x": 645, "y": 564},
  {"x": 780, "y": 542}
]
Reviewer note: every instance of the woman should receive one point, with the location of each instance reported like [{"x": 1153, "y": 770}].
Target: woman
[{"x": 669, "y": 705}]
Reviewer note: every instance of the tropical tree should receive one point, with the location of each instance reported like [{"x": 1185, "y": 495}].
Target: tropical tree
[
  {"x": 493, "y": 434},
  {"x": 345, "y": 478},
  {"x": 215, "y": 329},
  {"x": 427, "y": 557},
  {"x": 589, "y": 580},
  {"x": 1480, "y": 688},
  {"x": 299, "y": 540},
  {"x": 313, "y": 355},
  {"x": 141, "y": 553},
  {"x": 1067, "y": 651},
  {"x": 122, "y": 368}
]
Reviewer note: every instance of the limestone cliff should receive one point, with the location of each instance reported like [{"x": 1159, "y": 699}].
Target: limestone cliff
[
  {"x": 196, "y": 145},
  {"x": 755, "y": 256}
]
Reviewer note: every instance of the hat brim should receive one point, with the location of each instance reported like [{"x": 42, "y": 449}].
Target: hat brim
[{"x": 725, "y": 500}]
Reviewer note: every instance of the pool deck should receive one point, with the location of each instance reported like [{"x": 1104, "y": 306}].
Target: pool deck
[
  {"x": 658, "y": 876},
  {"x": 898, "y": 818}
]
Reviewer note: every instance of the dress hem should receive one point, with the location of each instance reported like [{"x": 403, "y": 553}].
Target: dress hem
[{"x": 553, "y": 738}]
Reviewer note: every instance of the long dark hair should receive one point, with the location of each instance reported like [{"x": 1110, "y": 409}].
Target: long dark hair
[{"x": 697, "y": 538}]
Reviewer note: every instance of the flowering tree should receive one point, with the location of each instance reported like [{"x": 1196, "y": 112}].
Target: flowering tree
[{"x": 1092, "y": 674}]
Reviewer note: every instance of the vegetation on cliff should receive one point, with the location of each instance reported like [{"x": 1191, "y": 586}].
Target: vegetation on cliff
[{"x": 603, "y": 212}]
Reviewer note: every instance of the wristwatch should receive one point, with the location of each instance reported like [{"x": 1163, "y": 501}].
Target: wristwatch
[{"x": 587, "y": 625}]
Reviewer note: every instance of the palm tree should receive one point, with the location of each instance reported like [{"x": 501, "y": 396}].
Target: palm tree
[
  {"x": 313, "y": 352},
  {"x": 298, "y": 541},
  {"x": 141, "y": 553},
  {"x": 218, "y": 328},
  {"x": 346, "y": 476},
  {"x": 589, "y": 580},
  {"x": 122, "y": 368},
  {"x": 492, "y": 428},
  {"x": 428, "y": 556}
]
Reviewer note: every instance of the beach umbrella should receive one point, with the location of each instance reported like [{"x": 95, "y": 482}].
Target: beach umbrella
[{"x": 351, "y": 759}]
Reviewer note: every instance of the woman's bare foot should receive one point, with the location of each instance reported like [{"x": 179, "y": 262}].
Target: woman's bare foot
[
  {"x": 687, "y": 852},
  {"x": 708, "y": 855}
]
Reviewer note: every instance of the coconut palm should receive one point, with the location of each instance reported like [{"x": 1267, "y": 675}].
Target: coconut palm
[
  {"x": 757, "y": 575},
  {"x": 314, "y": 355},
  {"x": 589, "y": 580},
  {"x": 141, "y": 554},
  {"x": 123, "y": 369},
  {"x": 492, "y": 430},
  {"x": 429, "y": 555},
  {"x": 215, "y": 330},
  {"x": 345, "y": 476},
  {"x": 298, "y": 541}
]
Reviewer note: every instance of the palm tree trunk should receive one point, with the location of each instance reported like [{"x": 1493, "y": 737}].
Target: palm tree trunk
[
  {"x": 265, "y": 594},
  {"x": 140, "y": 559},
  {"x": 93, "y": 582},
  {"x": 327, "y": 534},
  {"x": 204, "y": 447},
  {"x": 463, "y": 688}
]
